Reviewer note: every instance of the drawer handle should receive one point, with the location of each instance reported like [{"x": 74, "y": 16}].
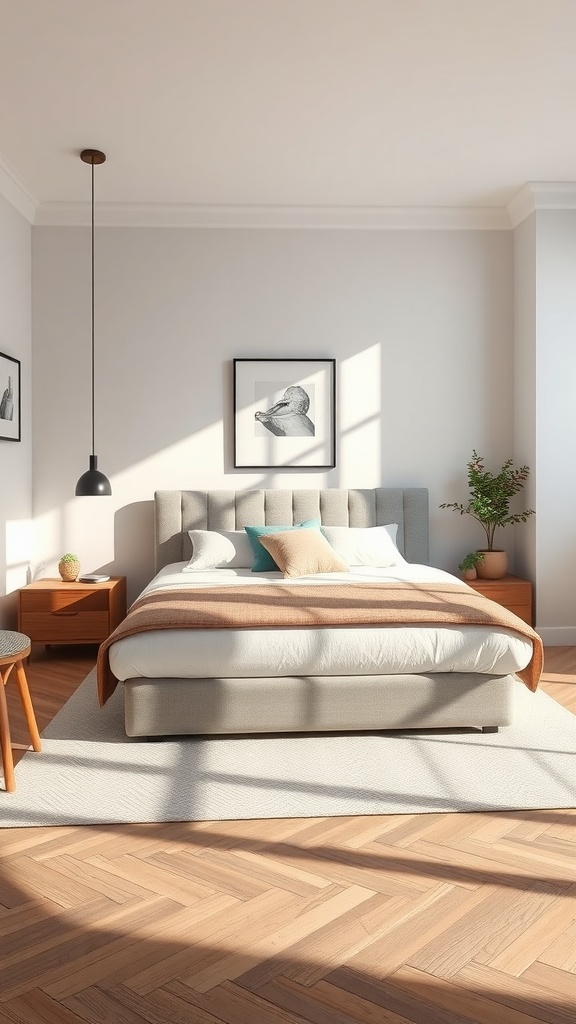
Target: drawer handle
[{"x": 63, "y": 611}]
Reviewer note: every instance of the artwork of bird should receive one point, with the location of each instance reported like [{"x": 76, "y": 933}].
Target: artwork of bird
[{"x": 287, "y": 418}]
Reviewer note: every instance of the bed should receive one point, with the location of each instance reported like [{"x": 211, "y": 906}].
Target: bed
[{"x": 309, "y": 677}]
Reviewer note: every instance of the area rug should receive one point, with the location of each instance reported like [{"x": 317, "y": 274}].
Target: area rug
[{"x": 89, "y": 772}]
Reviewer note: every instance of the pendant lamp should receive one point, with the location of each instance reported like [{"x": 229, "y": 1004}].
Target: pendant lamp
[{"x": 93, "y": 482}]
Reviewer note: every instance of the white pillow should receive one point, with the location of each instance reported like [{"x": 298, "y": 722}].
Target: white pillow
[
  {"x": 371, "y": 545},
  {"x": 219, "y": 549}
]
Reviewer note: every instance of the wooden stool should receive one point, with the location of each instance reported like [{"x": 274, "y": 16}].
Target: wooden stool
[{"x": 14, "y": 648}]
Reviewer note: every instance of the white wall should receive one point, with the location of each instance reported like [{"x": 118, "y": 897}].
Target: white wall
[
  {"x": 555, "y": 422},
  {"x": 420, "y": 323},
  {"x": 525, "y": 448},
  {"x": 15, "y": 457}
]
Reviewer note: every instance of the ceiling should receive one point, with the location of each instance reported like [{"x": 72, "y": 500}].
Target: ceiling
[{"x": 287, "y": 103}]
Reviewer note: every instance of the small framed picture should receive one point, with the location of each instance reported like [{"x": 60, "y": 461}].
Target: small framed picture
[
  {"x": 284, "y": 413},
  {"x": 9, "y": 398}
]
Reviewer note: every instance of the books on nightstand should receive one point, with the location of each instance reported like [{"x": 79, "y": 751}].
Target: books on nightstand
[{"x": 92, "y": 578}]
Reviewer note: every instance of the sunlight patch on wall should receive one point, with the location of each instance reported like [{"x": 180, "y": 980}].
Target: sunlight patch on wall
[
  {"x": 83, "y": 526},
  {"x": 360, "y": 419},
  {"x": 195, "y": 461},
  {"x": 18, "y": 552},
  {"x": 47, "y": 544}
]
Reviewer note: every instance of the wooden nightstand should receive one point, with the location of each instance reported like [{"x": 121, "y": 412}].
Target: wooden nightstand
[
  {"x": 511, "y": 591},
  {"x": 55, "y": 612}
]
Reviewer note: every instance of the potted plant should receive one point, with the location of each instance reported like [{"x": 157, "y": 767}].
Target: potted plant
[
  {"x": 489, "y": 505},
  {"x": 69, "y": 567},
  {"x": 468, "y": 565}
]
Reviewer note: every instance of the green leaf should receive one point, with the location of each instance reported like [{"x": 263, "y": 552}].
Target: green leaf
[{"x": 491, "y": 494}]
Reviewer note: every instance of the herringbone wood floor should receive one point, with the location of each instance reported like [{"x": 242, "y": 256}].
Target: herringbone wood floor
[{"x": 431, "y": 919}]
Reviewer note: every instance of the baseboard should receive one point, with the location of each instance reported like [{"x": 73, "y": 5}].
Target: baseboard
[{"x": 557, "y": 636}]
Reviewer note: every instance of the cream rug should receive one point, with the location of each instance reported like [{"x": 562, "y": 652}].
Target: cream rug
[{"x": 89, "y": 772}]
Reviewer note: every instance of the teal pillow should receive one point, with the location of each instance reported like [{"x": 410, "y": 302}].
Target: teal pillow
[{"x": 263, "y": 561}]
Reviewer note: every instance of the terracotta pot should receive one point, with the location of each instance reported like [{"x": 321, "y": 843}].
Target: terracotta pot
[
  {"x": 493, "y": 566},
  {"x": 469, "y": 574}
]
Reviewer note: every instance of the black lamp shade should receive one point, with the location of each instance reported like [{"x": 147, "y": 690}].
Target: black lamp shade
[{"x": 93, "y": 482}]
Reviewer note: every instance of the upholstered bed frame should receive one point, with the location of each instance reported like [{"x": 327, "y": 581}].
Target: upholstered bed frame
[
  {"x": 176, "y": 512},
  {"x": 170, "y": 706}
]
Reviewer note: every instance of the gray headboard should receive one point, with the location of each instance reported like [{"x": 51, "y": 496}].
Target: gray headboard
[{"x": 176, "y": 512}]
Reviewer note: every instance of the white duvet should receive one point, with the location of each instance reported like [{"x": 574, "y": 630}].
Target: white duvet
[{"x": 366, "y": 650}]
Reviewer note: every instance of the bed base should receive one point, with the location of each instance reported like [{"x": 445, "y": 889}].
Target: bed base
[{"x": 217, "y": 706}]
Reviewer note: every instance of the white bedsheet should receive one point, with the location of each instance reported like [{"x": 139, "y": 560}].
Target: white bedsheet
[{"x": 348, "y": 650}]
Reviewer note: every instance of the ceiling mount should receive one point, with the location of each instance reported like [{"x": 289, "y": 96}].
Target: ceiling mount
[{"x": 92, "y": 156}]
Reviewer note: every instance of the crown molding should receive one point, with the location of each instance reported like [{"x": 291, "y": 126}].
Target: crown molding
[
  {"x": 533, "y": 196},
  {"x": 541, "y": 195},
  {"x": 15, "y": 191},
  {"x": 375, "y": 218}
]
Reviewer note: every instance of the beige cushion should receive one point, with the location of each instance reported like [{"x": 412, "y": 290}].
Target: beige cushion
[{"x": 302, "y": 552}]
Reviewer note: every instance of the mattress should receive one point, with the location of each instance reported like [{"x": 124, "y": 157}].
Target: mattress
[{"x": 367, "y": 650}]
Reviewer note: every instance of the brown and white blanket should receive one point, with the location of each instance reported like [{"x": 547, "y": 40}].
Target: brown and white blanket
[{"x": 316, "y": 605}]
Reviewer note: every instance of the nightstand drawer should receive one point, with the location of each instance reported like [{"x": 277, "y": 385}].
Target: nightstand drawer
[
  {"x": 62, "y": 602},
  {"x": 523, "y": 611},
  {"x": 512, "y": 592},
  {"x": 54, "y": 612},
  {"x": 52, "y": 627},
  {"x": 509, "y": 594}
]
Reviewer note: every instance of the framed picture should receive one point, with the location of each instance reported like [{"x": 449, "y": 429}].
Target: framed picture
[
  {"x": 9, "y": 398},
  {"x": 284, "y": 413}
]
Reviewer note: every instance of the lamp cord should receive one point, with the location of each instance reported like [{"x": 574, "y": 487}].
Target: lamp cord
[{"x": 92, "y": 307}]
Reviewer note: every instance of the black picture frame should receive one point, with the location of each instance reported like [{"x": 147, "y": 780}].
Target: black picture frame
[
  {"x": 10, "y": 416},
  {"x": 284, "y": 413}
]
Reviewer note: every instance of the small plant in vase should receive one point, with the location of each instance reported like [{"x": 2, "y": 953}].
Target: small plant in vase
[
  {"x": 469, "y": 563},
  {"x": 489, "y": 505},
  {"x": 69, "y": 567}
]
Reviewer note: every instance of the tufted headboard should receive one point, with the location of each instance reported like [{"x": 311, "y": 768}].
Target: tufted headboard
[{"x": 176, "y": 512}]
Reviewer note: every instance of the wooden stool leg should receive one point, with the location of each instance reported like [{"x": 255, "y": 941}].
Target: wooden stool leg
[
  {"x": 5, "y": 741},
  {"x": 27, "y": 705}
]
